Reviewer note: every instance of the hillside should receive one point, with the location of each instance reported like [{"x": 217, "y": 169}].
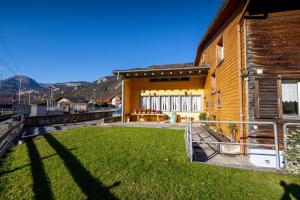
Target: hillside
[{"x": 104, "y": 88}]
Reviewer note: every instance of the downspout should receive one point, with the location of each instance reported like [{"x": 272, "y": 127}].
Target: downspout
[
  {"x": 240, "y": 79},
  {"x": 123, "y": 100},
  {"x": 240, "y": 87}
]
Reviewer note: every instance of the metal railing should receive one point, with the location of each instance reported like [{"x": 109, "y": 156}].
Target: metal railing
[
  {"x": 7, "y": 137},
  {"x": 189, "y": 139}
]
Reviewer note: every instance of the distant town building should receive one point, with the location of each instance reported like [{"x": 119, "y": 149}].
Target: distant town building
[
  {"x": 116, "y": 101},
  {"x": 75, "y": 104}
]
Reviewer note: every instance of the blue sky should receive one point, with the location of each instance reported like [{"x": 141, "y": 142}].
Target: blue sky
[{"x": 64, "y": 40}]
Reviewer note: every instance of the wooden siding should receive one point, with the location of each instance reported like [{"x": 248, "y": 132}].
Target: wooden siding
[
  {"x": 226, "y": 73},
  {"x": 273, "y": 45}
]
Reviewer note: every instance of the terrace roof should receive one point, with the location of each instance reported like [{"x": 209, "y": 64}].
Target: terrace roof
[{"x": 163, "y": 71}]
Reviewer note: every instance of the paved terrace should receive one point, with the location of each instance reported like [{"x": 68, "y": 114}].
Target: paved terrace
[{"x": 204, "y": 153}]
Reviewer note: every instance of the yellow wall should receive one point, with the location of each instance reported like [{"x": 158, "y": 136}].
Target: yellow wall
[
  {"x": 226, "y": 73},
  {"x": 135, "y": 88}
]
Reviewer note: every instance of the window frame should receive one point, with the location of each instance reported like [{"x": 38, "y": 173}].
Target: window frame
[
  {"x": 203, "y": 58},
  {"x": 171, "y": 104},
  {"x": 168, "y": 98},
  {"x": 167, "y": 105},
  {"x": 188, "y": 100},
  {"x": 213, "y": 83},
  {"x": 297, "y": 83},
  {"x": 201, "y": 103},
  {"x": 219, "y": 100},
  {"x": 220, "y": 51}
]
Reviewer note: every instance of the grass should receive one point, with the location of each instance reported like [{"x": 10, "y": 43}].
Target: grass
[{"x": 126, "y": 163}]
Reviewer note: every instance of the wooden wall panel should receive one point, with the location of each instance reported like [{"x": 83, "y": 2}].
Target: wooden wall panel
[
  {"x": 273, "y": 45},
  {"x": 226, "y": 73}
]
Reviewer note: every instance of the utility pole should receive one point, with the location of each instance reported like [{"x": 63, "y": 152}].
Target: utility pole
[
  {"x": 100, "y": 99},
  {"x": 20, "y": 85},
  {"x": 0, "y": 81},
  {"x": 29, "y": 96},
  {"x": 94, "y": 98},
  {"x": 50, "y": 101},
  {"x": 14, "y": 99},
  {"x": 94, "y": 94}
]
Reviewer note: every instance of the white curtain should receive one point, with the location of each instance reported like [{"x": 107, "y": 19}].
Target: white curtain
[
  {"x": 197, "y": 103},
  {"x": 289, "y": 92},
  {"x": 155, "y": 103},
  {"x": 186, "y": 103},
  {"x": 146, "y": 102},
  {"x": 175, "y": 103},
  {"x": 165, "y": 103},
  {"x": 172, "y": 103}
]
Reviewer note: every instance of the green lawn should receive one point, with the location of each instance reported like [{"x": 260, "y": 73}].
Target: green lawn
[{"x": 126, "y": 163}]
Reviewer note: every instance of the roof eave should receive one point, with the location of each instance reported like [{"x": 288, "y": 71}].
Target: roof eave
[
  {"x": 204, "y": 67},
  {"x": 206, "y": 37}
]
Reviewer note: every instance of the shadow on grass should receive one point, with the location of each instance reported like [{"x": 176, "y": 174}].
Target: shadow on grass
[
  {"x": 41, "y": 183},
  {"x": 28, "y": 165},
  {"x": 290, "y": 190},
  {"x": 88, "y": 184}
]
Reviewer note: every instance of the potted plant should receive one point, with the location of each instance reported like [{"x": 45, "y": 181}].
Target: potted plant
[
  {"x": 233, "y": 131},
  {"x": 245, "y": 74},
  {"x": 203, "y": 116}
]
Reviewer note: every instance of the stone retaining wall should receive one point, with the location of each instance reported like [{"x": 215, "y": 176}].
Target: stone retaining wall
[{"x": 64, "y": 119}]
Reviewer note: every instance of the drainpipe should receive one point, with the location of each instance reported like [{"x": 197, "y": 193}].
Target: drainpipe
[
  {"x": 123, "y": 100},
  {"x": 240, "y": 87},
  {"x": 240, "y": 79}
]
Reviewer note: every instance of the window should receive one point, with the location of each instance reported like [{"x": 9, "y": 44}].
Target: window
[
  {"x": 220, "y": 51},
  {"x": 165, "y": 103},
  {"x": 290, "y": 97},
  {"x": 145, "y": 101},
  {"x": 213, "y": 83},
  {"x": 155, "y": 103},
  {"x": 185, "y": 103},
  {"x": 175, "y": 103},
  {"x": 196, "y": 103},
  {"x": 219, "y": 102},
  {"x": 202, "y": 59}
]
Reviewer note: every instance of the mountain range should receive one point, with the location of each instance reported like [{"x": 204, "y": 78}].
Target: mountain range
[{"x": 101, "y": 90}]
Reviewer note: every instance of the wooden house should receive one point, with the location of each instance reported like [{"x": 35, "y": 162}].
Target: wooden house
[
  {"x": 247, "y": 68},
  {"x": 253, "y": 51}
]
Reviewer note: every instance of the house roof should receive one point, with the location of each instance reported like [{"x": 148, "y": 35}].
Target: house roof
[
  {"x": 170, "y": 70},
  {"x": 226, "y": 9},
  {"x": 73, "y": 99}
]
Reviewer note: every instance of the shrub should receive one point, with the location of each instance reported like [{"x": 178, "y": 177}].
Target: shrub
[
  {"x": 233, "y": 131},
  {"x": 292, "y": 152},
  {"x": 203, "y": 116}
]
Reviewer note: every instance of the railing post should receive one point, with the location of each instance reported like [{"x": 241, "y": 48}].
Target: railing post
[
  {"x": 276, "y": 147},
  {"x": 191, "y": 140},
  {"x": 284, "y": 142}
]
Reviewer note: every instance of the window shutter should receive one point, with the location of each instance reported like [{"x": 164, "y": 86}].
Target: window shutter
[{"x": 267, "y": 98}]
